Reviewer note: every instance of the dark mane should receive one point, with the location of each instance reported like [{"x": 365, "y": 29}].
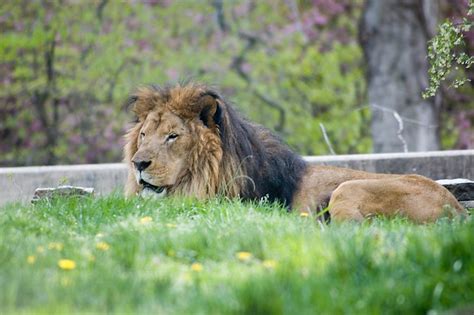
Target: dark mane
[{"x": 273, "y": 170}]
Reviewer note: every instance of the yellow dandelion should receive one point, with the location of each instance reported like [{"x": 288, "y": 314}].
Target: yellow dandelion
[
  {"x": 40, "y": 249},
  {"x": 31, "y": 259},
  {"x": 56, "y": 245},
  {"x": 170, "y": 225},
  {"x": 102, "y": 246},
  {"x": 67, "y": 264},
  {"x": 196, "y": 267},
  {"x": 269, "y": 263},
  {"x": 244, "y": 256},
  {"x": 146, "y": 220},
  {"x": 304, "y": 214}
]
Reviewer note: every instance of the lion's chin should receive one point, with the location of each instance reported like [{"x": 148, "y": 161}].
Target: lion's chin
[
  {"x": 150, "y": 190},
  {"x": 150, "y": 193}
]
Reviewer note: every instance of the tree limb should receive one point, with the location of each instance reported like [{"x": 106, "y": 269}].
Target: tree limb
[
  {"x": 220, "y": 17},
  {"x": 237, "y": 65}
]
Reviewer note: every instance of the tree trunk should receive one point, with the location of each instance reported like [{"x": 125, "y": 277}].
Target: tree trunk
[{"x": 394, "y": 35}]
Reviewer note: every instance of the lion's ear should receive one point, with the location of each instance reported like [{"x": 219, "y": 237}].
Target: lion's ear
[
  {"x": 130, "y": 103},
  {"x": 210, "y": 110},
  {"x": 143, "y": 101}
]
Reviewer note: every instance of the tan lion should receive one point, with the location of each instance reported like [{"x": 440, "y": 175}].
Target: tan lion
[{"x": 189, "y": 142}]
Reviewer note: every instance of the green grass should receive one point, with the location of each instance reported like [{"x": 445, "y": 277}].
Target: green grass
[{"x": 297, "y": 266}]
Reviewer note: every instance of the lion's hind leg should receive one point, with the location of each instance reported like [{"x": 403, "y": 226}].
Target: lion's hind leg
[
  {"x": 346, "y": 202},
  {"x": 415, "y": 197}
]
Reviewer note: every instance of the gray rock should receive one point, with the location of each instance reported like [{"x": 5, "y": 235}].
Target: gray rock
[
  {"x": 461, "y": 188},
  {"x": 467, "y": 204},
  {"x": 61, "y": 191}
]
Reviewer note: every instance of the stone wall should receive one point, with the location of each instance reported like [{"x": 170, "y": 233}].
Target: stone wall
[{"x": 19, "y": 183}]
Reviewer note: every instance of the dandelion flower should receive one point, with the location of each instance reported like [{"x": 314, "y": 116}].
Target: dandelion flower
[
  {"x": 31, "y": 259},
  {"x": 67, "y": 264},
  {"x": 102, "y": 246},
  {"x": 196, "y": 267},
  {"x": 304, "y": 214},
  {"x": 269, "y": 263},
  {"x": 244, "y": 256},
  {"x": 56, "y": 245},
  {"x": 170, "y": 225},
  {"x": 146, "y": 220}
]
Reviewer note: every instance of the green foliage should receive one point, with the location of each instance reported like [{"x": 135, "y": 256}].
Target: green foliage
[
  {"x": 317, "y": 88},
  {"x": 137, "y": 256},
  {"x": 444, "y": 53},
  {"x": 68, "y": 67}
]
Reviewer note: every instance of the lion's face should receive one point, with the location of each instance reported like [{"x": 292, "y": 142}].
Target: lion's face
[
  {"x": 163, "y": 142},
  {"x": 175, "y": 145}
]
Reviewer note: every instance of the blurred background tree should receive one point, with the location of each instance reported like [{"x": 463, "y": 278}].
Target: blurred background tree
[
  {"x": 297, "y": 67},
  {"x": 394, "y": 36}
]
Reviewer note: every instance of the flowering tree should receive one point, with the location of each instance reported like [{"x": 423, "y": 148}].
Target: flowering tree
[
  {"x": 451, "y": 48},
  {"x": 66, "y": 68},
  {"x": 450, "y": 54}
]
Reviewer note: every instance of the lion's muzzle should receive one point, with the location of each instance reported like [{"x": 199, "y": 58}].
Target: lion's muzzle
[{"x": 141, "y": 165}]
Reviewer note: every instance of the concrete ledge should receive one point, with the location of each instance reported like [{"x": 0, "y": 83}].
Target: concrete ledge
[{"x": 19, "y": 183}]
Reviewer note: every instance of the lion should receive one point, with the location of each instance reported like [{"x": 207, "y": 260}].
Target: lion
[{"x": 188, "y": 141}]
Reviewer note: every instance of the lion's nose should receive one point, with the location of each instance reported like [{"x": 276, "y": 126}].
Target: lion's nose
[{"x": 141, "y": 165}]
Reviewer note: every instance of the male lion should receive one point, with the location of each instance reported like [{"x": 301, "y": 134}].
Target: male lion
[{"x": 188, "y": 141}]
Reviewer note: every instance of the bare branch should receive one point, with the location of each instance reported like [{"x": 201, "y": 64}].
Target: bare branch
[
  {"x": 49, "y": 60},
  {"x": 40, "y": 98},
  {"x": 220, "y": 17},
  {"x": 275, "y": 105},
  {"x": 399, "y": 120},
  {"x": 405, "y": 119},
  {"x": 100, "y": 9},
  {"x": 326, "y": 139}
]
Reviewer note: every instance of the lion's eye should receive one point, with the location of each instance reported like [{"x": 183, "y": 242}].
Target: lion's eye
[
  {"x": 171, "y": 136},
  {"x": 142, "y": 135}
]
